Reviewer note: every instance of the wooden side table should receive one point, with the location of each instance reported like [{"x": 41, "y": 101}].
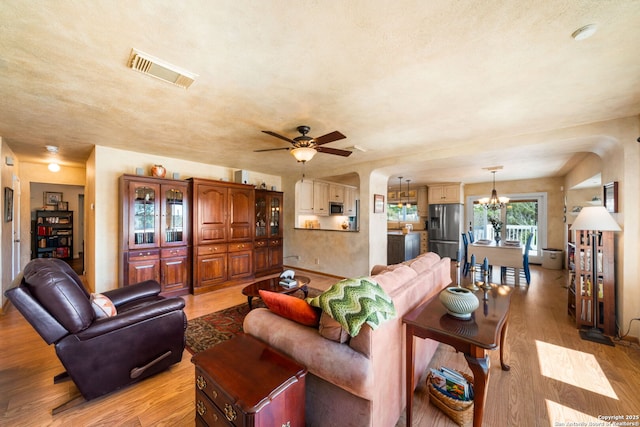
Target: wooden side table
[
  {"x": 473, "y": 337},
  {"x": 244, "y": 382}
]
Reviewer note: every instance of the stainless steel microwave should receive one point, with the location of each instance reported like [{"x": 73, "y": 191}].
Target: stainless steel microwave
[{"x": 336, "y": 208}]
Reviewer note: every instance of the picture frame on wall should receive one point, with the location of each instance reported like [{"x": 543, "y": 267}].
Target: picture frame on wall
[
  {"x": 8, "y": 204},
  {"x": 63, "y": 206},
  {"x": 610, "y": 198},
  {"x": 378, "y": 203},
  {"x": 52, "y": 198}
]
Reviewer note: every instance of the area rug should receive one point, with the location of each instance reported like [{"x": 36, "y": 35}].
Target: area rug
[{"x": 213, "y": 328}]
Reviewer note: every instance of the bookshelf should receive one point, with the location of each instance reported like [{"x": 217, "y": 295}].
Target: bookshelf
[
  {"x": 53, "y": 233},
  {"x": 601, "y": 281}
]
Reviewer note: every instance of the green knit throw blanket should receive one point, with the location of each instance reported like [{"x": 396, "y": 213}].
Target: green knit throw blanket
[{"x": 354, "y": 302}]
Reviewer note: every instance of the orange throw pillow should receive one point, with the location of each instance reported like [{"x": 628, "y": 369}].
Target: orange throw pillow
[{"x": 291, "y": 308}]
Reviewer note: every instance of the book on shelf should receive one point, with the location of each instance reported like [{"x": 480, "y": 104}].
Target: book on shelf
[{"x": 451, "y": 383}]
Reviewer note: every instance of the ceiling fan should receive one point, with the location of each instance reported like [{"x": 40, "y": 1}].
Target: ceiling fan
[{"x": 305, "y": 147}]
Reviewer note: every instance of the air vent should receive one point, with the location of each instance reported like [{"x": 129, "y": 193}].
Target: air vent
[{"x": 160, "y": 69}]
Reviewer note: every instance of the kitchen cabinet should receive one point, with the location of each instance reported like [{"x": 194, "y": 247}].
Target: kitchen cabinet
[
  {"x": 304, "y": 197},
  {"x": 350, "y": 197},
  {"x": 336, "y": 193},
  {"x": 320, "y": 198},
  {"x": 154, "y": 235},
  {"x": 223, "y": 231},
  {"x": 445, "y": 193},
  {"x": 402, "y": 247},
  {"x": 268, "y": 233},
  {"x": 423, "y": 201}
]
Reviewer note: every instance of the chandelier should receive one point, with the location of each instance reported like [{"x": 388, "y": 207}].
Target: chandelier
[{"x": 494, "y": 202}]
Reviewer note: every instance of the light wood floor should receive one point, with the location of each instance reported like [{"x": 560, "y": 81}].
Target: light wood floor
[{"x": 555, "y": 376}]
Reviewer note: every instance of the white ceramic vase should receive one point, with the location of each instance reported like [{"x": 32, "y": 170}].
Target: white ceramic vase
[{"x": 459, "y": 302}]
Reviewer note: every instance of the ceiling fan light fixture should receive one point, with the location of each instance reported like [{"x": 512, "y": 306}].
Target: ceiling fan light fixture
[{"x": 303, "y": 154}]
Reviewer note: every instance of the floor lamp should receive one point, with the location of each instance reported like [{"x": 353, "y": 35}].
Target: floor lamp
[{"x": 595, "y": 220}]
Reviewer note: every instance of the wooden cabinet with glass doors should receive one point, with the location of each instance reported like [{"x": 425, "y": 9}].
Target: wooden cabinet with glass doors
[
  {"x": 154, "y": 242},
  {"x": 268, "y": 237}
]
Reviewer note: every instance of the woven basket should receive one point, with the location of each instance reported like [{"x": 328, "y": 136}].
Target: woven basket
[{"x": 460, "y": 411}]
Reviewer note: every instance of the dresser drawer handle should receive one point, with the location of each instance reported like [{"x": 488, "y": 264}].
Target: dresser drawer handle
[
  {"x": 229, "y": 412},
  {"x": 201, "y": 408},
  {"x": 201, "y": 382}
]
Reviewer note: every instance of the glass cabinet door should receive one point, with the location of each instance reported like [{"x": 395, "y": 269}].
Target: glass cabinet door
[
  {"x": 261, "y": 215},
  {"x": 274, "y": 222},
  {"x": 174, "y": 212},
  {"x": 144, "y": 224}
]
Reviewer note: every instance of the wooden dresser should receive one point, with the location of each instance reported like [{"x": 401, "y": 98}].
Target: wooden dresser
[{"x": 244, "y": 382}]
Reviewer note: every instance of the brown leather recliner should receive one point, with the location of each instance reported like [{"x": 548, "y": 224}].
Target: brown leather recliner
[{"x": 104, "y": 354}]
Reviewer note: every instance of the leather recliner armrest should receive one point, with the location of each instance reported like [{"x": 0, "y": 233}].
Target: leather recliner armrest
[
  {"x": 131, "y": 317},
  {"x": 126, "y": 294}
]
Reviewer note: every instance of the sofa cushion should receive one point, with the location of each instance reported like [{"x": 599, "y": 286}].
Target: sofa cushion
[
  {"x": 390, "y": 280},
  {"x": 424, "y": 262},
  {"x": 291, "y": 308},
  {"x": 332, "y": 330},
  {"x": 103, "y": 306},
  {"x": 354, "y": 302},
  {"x": 336, "y": 363}
]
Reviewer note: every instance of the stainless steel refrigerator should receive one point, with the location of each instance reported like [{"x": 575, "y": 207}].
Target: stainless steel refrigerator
[{"x": 445, "y": 229}]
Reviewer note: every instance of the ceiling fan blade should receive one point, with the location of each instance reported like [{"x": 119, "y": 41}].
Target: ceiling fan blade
[
  {"x": 330, "y": 137},
  {"x": 272, "y": 149},
  {"x": 327, "y": 150},
  {"x": 268, "y": 132}
]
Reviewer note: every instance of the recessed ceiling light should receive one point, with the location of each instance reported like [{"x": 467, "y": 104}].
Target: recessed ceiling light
[
  {"x": 584, "y": 32},
  {"x": 51, "y": 148}
]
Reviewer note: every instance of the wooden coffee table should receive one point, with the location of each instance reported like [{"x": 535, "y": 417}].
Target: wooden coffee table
[{"x": 273, "y": 285}]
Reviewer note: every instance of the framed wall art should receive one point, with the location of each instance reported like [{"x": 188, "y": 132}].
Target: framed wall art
[
  {"x": 378, "y": 203},
  {"x": 63, "y": 206},
  {"x": 52, "y": 198},
  {"x": 8, "y": 204},
  {"x": 610, "y": 198}
]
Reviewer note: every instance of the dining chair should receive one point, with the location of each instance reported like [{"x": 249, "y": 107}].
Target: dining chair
[
  {"x": 525, "y": 262},
  {"x": 471, "y": 237},
  {"x": 465, "y": 242}
]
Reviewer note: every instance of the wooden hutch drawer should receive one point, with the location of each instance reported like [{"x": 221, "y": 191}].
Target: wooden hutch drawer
[
  {"x": 260, "y": 244},
  {"x": 144, "y": 254},
  {"x": 275, "y": 242},
  {"x": 174, "y": 252},
  {"x": 237, "y": 247},
  {"x": 210, "y": 249}
]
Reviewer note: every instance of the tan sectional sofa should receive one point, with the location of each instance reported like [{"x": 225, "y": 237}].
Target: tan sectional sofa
[{"x": 360, "y": 382}]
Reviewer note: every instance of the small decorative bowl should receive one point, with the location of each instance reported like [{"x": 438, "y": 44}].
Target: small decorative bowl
[{"x": 459, "y": 302}]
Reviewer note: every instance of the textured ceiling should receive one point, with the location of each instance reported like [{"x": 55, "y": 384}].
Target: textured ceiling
[{"x": 433, "y": 90}]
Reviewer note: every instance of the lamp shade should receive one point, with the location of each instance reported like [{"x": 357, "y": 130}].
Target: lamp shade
[
  {"x": 303, "y": 154},
  {"x": 595, "y": 218}
]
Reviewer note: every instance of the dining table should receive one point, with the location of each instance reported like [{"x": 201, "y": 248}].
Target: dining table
[{"x": 504, "y": 254}]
